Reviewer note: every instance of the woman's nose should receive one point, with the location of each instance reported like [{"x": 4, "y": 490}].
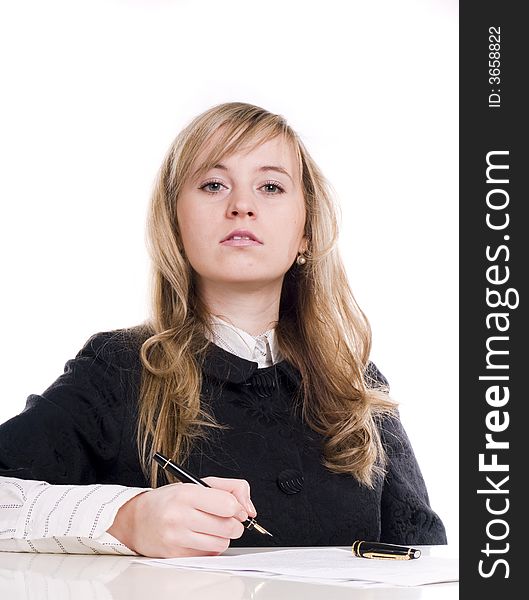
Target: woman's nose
[{"x": 241, "y": 202}]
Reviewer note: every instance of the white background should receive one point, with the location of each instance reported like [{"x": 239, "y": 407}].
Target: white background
[{"x": 93, "y": 94}]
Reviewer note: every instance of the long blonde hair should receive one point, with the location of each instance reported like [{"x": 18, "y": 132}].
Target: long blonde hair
[{"x": 321, "y": 329}]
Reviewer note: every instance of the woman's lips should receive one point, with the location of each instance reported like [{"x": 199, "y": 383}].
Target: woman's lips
[{"x": 233, "y": 242}]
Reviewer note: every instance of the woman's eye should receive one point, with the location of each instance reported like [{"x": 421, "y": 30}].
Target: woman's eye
[
  {"x": 212, "y": 187},
  {"x": 273, "y": 188}
]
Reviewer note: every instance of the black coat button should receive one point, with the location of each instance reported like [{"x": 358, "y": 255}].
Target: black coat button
[
  {"x": 290, "y": 481},
  {"x": 263, "y": 384}
]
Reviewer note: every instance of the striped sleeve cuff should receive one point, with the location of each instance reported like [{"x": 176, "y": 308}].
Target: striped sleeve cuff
[{"x": 70, "y": 519}]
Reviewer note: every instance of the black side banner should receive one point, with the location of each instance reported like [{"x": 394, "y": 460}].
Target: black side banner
[{"x": 494, "y": 252}]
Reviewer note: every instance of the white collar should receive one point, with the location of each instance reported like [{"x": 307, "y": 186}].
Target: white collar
[{"x": 262, "y": 349}]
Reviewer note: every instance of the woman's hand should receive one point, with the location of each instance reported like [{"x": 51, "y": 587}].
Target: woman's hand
[{"x": 185, "y": 519}]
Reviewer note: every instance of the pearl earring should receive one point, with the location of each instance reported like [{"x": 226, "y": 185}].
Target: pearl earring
[{"x": 301, "y": 260}]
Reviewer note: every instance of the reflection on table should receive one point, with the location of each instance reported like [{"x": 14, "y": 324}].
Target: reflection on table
[{"x": 26, "y": 576}]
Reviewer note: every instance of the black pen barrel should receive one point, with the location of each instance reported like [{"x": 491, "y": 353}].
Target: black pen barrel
[{"x": 177, "y": 471}]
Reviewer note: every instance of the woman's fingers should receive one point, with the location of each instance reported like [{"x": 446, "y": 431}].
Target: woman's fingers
[
  {"x": 222, "y": 527},
  {"x": 213, "y": 501},
  {"x": 205, "y": 542},
  {"x": 239, "y": 488}
]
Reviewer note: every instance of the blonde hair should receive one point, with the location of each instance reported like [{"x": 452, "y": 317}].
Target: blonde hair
[{"x": 321, "y": 329}]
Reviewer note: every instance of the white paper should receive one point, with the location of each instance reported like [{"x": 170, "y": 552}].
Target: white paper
[{"x": 327, "y": 564}]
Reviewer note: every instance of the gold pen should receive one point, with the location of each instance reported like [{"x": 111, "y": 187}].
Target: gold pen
[
  {"x": 183, "y": 475},
  {"x": 365, "y": 549}
]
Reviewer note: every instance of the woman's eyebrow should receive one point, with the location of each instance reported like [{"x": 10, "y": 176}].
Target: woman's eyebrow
[
  {"x": 262, "y": 169},
  {"x": 277, "y": 168}
]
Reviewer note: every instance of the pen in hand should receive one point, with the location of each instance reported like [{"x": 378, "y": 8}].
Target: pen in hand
[{"x": 187, "y": 477}]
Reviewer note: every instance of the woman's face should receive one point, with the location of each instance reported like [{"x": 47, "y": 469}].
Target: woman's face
[{"x": 257, "y": 191}]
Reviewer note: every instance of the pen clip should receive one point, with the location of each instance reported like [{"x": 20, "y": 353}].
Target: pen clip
[{"x": 386, "y": 556}]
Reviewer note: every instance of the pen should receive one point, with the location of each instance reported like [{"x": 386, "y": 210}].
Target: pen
[
  {"x": 184, "y": 475},
  {"x": 379, "y": 550}
]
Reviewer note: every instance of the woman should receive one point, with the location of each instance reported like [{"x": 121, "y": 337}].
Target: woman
[{"x": 253, "y": 371}]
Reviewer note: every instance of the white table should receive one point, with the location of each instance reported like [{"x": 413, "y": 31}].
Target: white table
[{"x": 25, "y": 576}]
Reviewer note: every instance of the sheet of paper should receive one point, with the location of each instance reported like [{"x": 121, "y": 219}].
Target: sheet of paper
[{"x": 327, "y": 564}]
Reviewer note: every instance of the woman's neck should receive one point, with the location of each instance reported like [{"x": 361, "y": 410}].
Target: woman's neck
[{"x": 254, "y": 310}]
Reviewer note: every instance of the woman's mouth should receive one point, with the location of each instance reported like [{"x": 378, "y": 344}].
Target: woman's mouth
[{"x": 238, "y": 240}]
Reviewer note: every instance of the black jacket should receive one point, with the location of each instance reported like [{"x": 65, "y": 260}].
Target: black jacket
[{"x": 81, "y": 430}]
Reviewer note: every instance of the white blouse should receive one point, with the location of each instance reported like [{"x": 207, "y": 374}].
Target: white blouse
[
  {"x": 262, "y": 349},
  {"x": 36, "y": 516}
]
